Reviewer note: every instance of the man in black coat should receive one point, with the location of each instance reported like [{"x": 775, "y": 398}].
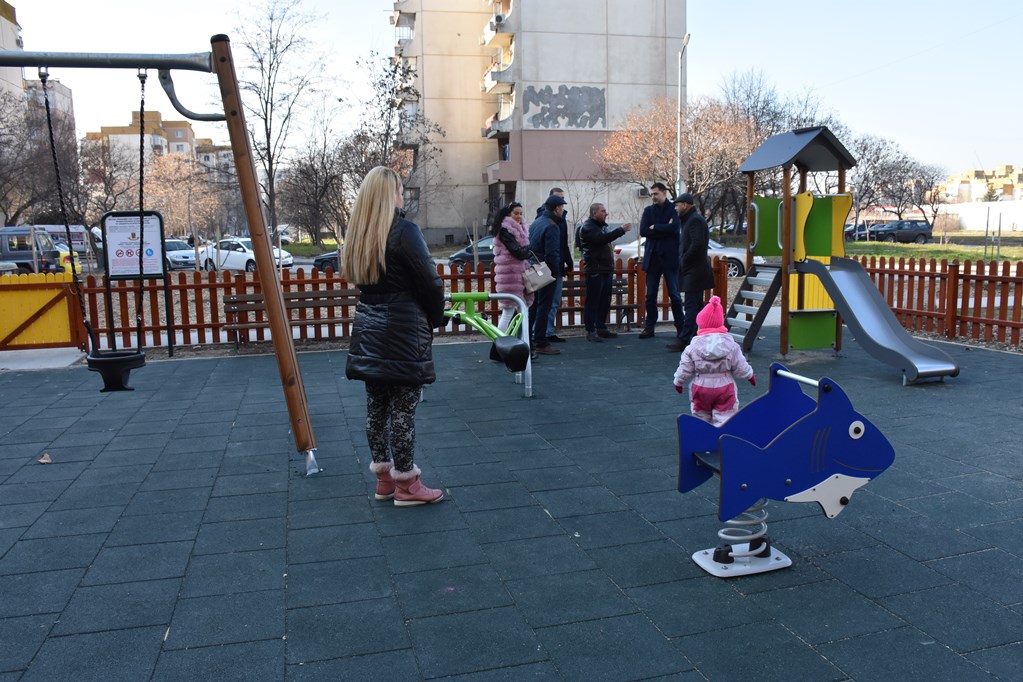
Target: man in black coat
[
  {"x": 545, "y": 243},
  {"x": 567, "y": 265},
  {"x": 694, "y": 273},
  {"x": 659, "y": 225},
  {"x": 598, "y": 265}
]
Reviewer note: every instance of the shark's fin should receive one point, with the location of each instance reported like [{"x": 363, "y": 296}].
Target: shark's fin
[{"x": 832, "y": 494}]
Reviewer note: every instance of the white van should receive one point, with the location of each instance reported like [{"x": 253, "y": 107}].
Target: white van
[{"x": 79, "y": 240}]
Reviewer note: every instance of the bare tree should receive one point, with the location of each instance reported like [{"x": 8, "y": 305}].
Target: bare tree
[
  {"x": 312, "y": 189},
  {"x": 925, "y": 194},
  {"x": 180, "y": 190},
  {"x": 27, "y": 180},
  {"x": 109, "y": 179},
  {"x": 279, "y": 73}
]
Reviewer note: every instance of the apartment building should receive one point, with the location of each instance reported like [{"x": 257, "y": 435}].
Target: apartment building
[
  {"x": 10, "y": 39},
  {"x": 1006, "y": 183},
  {"x": 162, "y": 137},
  {"x": 526, "y": 90}
]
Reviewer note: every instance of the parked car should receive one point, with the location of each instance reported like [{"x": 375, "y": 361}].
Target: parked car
[
  {"x": 735, "y": 258},
  {"x": 235, "y": 253},
  {"x": 902, "y": 231},
  {"x": 66, "y": 254},
  {"x": 179, "y": 255},
  {"x": 8, "y": 268},
  {"x": 483, "y": 249},
  {"x": 16, "y": 247},
  {"x": 328, "y": 260},
  {"x": 856, "y": 233}
]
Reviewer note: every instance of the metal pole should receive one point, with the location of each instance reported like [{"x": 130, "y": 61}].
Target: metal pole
[
  {"x": 680, "y": 185},
  {"x": 273, "y": 294}
]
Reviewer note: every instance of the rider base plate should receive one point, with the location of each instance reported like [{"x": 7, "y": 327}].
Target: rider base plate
[{"x": 741, "y": 565}]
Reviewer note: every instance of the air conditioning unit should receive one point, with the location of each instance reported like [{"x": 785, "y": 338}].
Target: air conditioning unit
[{"x": 643, "y": 192}]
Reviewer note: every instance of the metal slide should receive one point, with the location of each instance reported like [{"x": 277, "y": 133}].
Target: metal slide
[{"x": 873, "y": 324}]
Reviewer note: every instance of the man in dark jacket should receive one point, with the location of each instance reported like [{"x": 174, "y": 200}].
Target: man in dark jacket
[
  {"x": 598, "y": 265},
  {"x": 660, "y": 226},
  {"x": 567, "y": 264},
  {"x": 545, "y": 242},
  {"x": 695, "y": 275}
]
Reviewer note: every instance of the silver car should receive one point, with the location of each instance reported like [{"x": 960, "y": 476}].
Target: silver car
[
  {"x": 735, "y": 258},
  {"x": 179, "y": 255}
]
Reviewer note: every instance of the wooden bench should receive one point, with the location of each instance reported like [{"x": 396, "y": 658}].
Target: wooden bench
[
  {"x": 248, "y": 311},
  {"x": 620, "y": 309}
]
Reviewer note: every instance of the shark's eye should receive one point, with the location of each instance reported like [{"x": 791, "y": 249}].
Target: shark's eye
[{"x": 856, "y": 430}]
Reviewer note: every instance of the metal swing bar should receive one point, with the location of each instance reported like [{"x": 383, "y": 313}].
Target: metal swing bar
[{"x": 220, "y": 62}]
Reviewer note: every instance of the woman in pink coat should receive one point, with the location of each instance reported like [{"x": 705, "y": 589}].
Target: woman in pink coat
[
  {"x": 711, "y": 360},
  {"x": 511, "y": 257}
]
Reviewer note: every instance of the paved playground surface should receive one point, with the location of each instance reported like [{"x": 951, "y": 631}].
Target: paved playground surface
[{"x": 174, "y": 537}]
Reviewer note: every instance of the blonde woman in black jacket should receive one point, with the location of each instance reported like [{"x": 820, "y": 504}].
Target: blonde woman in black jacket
[{"x": 401, "y": 300}]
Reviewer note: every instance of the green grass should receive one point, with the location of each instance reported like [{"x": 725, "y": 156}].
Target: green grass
[
  {"x": 934, "y": 250},
  {"x": 307, "y": 249}
]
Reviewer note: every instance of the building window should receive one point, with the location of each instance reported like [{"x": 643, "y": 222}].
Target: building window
[
  {"x": 411, "y": 196},
  {"x": 179, "y": 133},
  {"x": 179, "y": 148}
]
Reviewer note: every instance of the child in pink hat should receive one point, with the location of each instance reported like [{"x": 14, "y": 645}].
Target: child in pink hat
[{"x": 711, "y": 360}]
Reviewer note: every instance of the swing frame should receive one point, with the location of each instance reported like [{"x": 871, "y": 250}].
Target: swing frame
[{"x": 218, "y": 61}]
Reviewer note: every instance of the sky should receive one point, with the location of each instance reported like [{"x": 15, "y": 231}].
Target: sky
[{"x": 938, "y": 78}]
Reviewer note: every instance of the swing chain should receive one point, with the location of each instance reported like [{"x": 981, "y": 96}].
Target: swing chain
[
  {"x": 142, "y": 217},
  {"x": 44, "y": 74}
]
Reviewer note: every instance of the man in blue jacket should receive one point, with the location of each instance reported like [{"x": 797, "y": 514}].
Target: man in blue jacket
[
  {"x": 660, "y": 226},
  {"x": 567, "y": 264},
  {"x": 545, "y": 243}
]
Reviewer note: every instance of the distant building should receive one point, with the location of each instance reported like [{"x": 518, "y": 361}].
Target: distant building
[
  {"x": 1006, "y": 183},
  {"x": 525, "y": 91},
  {"x": 11, "y": 77},
  {"x": 162, "y": 137}
]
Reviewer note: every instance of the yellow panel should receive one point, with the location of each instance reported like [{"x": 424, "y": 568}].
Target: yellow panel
[
  {"x": 840, "y": 207},
  {"x": 804, "y": 202},
  {"x": 815, "y": 297},
  {"x": 18, "y": 304}
]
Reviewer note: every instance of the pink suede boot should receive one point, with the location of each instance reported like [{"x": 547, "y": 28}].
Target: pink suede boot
[
  {"x": 410, "y": 492},
  {"x": 385, "y": 486}
]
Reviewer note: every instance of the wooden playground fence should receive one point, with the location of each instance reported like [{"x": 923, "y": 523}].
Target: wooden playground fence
[{"x": 974, "y": 300}]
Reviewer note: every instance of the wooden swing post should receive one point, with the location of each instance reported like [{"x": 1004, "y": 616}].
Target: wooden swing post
[{"x": 273, "y": 294}]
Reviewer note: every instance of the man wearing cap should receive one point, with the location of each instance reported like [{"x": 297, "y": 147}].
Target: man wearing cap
[
  {"x": 660, "y": 226},
  {"x": 567, "y": 264},
  {"x": 694, "y": 273},
  {"x": 545, "y": 243}
]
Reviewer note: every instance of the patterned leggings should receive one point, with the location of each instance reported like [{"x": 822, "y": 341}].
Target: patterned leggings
[{"x": 391, "y": 419}]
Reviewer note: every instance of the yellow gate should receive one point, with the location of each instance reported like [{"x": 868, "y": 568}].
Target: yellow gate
[{"x": 39, "y": 311}]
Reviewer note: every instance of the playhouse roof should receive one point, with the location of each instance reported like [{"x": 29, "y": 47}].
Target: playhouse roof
[{"x": 812, "y": 149}]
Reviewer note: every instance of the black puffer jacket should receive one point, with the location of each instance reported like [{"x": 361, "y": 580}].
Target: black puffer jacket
[
  {"x": 392, "y": 337},
  {"x": 595, "y": 240}
]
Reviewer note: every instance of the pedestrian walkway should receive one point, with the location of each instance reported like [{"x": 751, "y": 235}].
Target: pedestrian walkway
[{"x": 174, "y": 537}]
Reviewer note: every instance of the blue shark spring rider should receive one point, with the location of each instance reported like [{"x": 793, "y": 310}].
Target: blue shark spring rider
[{"x": 786, "y": 446}]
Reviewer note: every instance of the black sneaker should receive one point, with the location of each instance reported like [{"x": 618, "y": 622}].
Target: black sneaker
[
  {"x": 594, "y": 336},
  {"x": 555, "y": 339},
  {"x": 646, "y": 334},
  {"x": 677, "y": 345},
  {"x": 606, "y": 334}
]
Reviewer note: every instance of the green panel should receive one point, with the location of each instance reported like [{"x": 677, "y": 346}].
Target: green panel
[
  {"x": 812, "y": 330},
  {"x": 767, "y": 226},
  {"x": 817, "y": 233}
]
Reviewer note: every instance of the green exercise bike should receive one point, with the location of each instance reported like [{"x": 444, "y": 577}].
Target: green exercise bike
[{"x": 510, "y": 347}]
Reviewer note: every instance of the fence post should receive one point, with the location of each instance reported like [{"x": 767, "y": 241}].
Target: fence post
[{"x": 952, "y": 300}]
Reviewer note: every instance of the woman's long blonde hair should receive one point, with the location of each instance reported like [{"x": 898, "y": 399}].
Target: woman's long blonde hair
[{"x": 372, "y": 216}]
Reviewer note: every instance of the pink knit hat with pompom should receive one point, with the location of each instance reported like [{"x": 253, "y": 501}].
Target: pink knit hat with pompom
[{"x": 711, "y": 319}]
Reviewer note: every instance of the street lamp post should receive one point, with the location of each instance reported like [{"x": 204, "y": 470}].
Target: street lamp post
[{"x": 680, "y": 186}]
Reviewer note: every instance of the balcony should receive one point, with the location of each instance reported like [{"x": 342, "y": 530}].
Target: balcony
[
  {"x": 496, "y": 32},
  {"x": 498, "y": 79},
  {"x": 495, "y": 126}
]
